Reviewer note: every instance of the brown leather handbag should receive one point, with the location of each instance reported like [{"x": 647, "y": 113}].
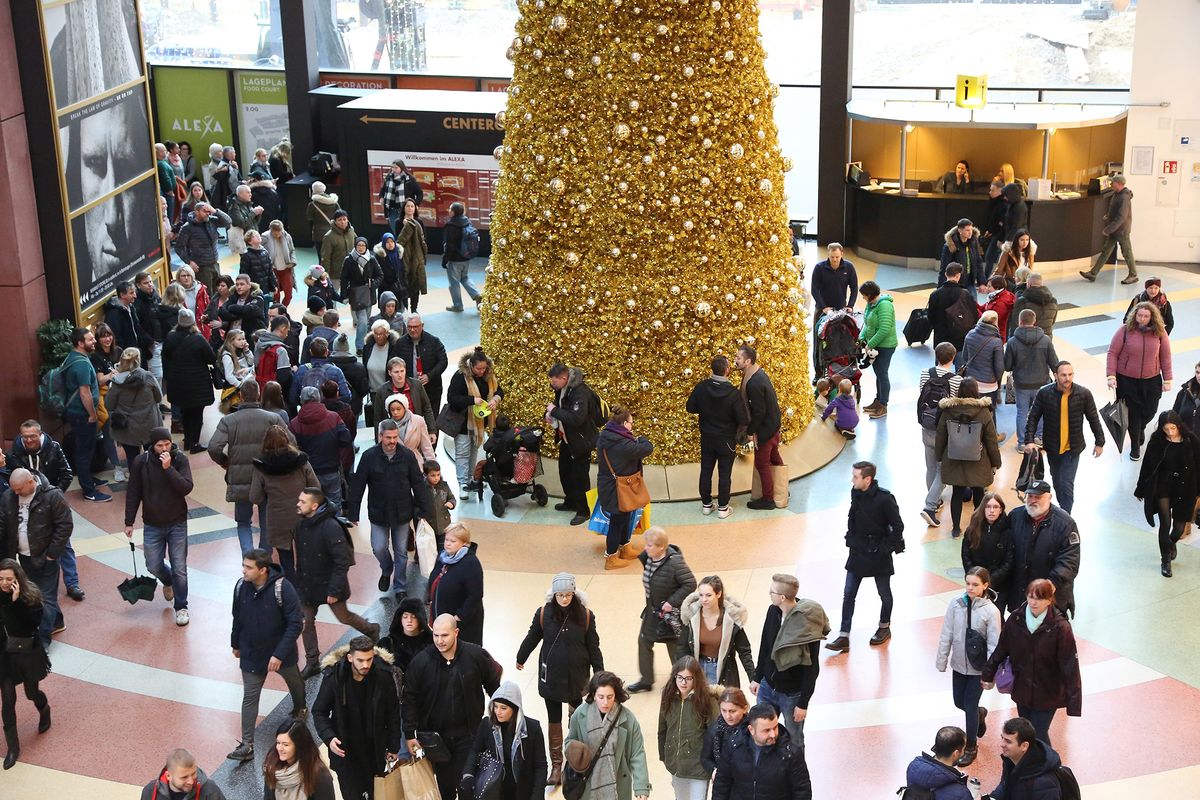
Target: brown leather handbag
[{"x": 632, "y": 493}]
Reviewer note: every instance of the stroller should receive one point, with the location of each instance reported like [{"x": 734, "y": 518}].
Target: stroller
[
  {"x": 840, "y": 349},
  {"x": 512, "y": 463}
]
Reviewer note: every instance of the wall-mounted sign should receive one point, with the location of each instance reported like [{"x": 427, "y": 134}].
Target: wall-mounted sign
[
  {"x": 1170, "y": 167},
  {"x": 971, "y": 91},
  {"x": 262, "y": 110},
  {"x": 193, "y": 106}
]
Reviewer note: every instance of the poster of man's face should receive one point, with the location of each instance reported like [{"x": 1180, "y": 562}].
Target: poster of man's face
[
  {"x": 104, "y": 145},
  {"x": 115, "y": 239},
  {"x": 93, "y": 47}
]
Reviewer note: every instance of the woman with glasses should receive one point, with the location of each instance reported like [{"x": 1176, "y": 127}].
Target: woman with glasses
[{"x": 687, "y": 708}]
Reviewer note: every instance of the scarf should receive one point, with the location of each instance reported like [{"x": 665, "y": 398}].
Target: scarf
[
  {"x": 603, "y": 783},
  {"x": 393, "y": 255},
  {"x": 289, "y": 784},
  {"x": 618, "y": 429},
  {"x": 478, "y": 426},
  {"x": 1034, "y": 621},
  {"x": 448, "y": 559},
  {"x": 361, "y": 259}
]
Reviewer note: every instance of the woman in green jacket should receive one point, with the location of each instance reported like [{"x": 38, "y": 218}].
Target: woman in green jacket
[
  {"x": 620, "y": 772},
  {"x": 687, "y": 708},
  {"x": 879, "y": 334}
]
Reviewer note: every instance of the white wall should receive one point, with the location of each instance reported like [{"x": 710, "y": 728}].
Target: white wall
[{"x": 1166, "y": 67}]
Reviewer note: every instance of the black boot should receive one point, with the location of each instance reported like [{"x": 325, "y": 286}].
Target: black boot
[
  {"x": 14, "y": 747},
  {"x": 44, "y": 718},
  {"x": 1166, "y": 568}
]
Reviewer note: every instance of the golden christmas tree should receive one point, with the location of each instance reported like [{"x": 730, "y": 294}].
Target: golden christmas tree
[{"x": 640, "y": 226}]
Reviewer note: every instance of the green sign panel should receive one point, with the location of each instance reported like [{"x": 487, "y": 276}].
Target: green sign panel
[{"x": 192, "y": 104}]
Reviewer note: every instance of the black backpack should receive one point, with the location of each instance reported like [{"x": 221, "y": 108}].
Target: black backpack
[
  {"x": 936, "y": 387},
  {"x": 962, "y": 314},
  {"x": 915, "y": 793},
  {"x": 1068, "y": 785}
]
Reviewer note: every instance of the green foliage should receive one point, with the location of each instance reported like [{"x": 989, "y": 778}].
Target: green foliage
[{"x": 54, "y": 341}]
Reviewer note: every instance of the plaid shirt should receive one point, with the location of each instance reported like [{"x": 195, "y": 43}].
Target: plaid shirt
[{"x": 392, "y": 192}]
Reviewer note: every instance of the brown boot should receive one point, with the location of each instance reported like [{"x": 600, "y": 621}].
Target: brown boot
[
  {"x": 556, "y": 754},
  {"x": 615, "y": 561},
  {"x": 630, "y": 551}
]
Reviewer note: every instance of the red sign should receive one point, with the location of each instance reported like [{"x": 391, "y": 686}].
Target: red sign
[
  {"x": 356, "y": 81},
  {"x": 1170, "y": 167}
]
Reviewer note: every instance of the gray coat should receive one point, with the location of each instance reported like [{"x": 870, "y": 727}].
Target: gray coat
[
  {"x": 243, "y": 432},
  {"x": 1030, "y": 357},
  {"x": 1119, "y": 219},
  {"x": 983, "y": 353},
  {"x": 985, "y": 618},
  {"x": 968, "y": 473},
  {"x": 136, "y": 395}
]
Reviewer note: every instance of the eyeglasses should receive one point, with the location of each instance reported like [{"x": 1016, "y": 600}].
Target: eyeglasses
[{"x": 681, "y": 678}]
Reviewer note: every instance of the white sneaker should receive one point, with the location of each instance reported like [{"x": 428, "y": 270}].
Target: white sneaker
[
  {"x": 706, "y": 508},
  {"x": 181, "y": 617},
  {"x": 120, "y": 475},
  {"x": 724, "y": 511}
]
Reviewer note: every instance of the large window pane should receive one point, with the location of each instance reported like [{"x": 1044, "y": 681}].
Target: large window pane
[{"x": 235, "y": 33}]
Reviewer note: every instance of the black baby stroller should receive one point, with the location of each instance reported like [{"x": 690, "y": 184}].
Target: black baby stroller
[
  {"x": 840, "y": 349},
  {"x": 511, "y": 466}
]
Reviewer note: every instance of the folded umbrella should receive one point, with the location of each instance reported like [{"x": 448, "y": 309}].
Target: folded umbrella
[
  {"x": 1116, "y": 418},
  {"x": 139, "y": 587}
]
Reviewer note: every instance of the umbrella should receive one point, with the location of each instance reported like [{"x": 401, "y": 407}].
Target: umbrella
[
  {"x": 139, "y": 587},
  {"x": 1116, "y": 419}
]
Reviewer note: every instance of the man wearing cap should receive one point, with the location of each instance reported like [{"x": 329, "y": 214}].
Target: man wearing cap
[
  {"x": 1061, "y": 407},
  {"x": 961, "y": 246},
  {"x": 1118, "y": 222},
  {"x": 1045, "y": 545},
  {"x": 322, "y": 436},
  {"x": 160, "y": 481},
  {"x": 337, "y": 244}
]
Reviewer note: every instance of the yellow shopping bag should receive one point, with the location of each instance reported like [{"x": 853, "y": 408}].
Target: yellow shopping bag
[
  {"x": 593, "y": 497},
  {"x": 643, "y": 524}
]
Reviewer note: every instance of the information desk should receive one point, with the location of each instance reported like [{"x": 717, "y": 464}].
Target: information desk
[{"x": 901, "y": 228}]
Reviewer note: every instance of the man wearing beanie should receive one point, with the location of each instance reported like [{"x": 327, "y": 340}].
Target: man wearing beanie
[
  {"x": 512, "y": 739},
  {"x": 314, "y": 316},
  {"x": 160, "y": 481},
  {"x": 321, "y": 435},
  {"x": 450, "y": 669}
]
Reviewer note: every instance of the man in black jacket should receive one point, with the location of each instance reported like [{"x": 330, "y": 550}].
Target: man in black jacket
[
  {"x": 667, "y": 581},
  {"x": 48, "y": 527},
  {"x": 723, "y": 416},
  {"x": 444, "y": 691},
  {"x": 763, "y": 427},
  {"x": 762, "y": 762},
  {"x": 1063, "y": 447},
  {"x": 874, "y": 531},
  {"x": 425, "y": 356},
  {"x": 357, "y": 715},
  {"x": 121, "y": 315},
  {"x": 196, "y": 243},
  {"x": 1045, "y": 545},
  {"x": 1028, "y": 766},
  {"x": 575, "y": 417},
  {"x": 323, "y": 561},
  {"x": 145, "y": 304},
  {"x": 247, "y": 308},
  {"x": 834, "y": 287},
  {"x": 399, "y": 494},
  {"x": 952, "y": 311}
]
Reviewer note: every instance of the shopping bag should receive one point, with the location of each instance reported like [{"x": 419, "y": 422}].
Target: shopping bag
[
  {"x": 599, "y": 521},
  {"x": 643, "y": 521},
  {"x": 779, "y": 476},
  {"x": 389, "y": 787},
  {"x": 416, "y": 777},
  {"x": 426, "y": 546}
]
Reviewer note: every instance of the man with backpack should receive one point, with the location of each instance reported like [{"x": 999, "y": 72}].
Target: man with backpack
[
  {"x": 461, "y": 245},
  {"x": 272, "y": 360},
  {"x": 317, "y": 371},
  {"x": 266, "y": 622},
  {"x": 1030, "y": 357},
  {"x": 952, "y": 310},
  {"x": 81, "y": 390},
  {"x": 1030, "y": 768},
  {"x": 932, "y": 775},
  {"x": 937, "y": 383},
  {"x": 323, "y": 560},
  {"x": 576, "y": 419}
]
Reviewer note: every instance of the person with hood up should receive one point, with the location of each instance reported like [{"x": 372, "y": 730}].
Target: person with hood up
[
  {"x": 455, "y": 585},
  {"x": 1154, "y": 294},
  {"x": 667, "y": 580},
  {"x": 1038, "y": 298},
  {"x": 282, "y": 252},
  {"x": 983, "y": 358},
  {"x": 723, "y": 417},
  {"x": 879, "y": 333},
  {"x": 973, "y": 615},
  {"x": 412, "y": 244},
  {"x": 961, "y": 246},
  {"x": 473, "y": 397},
  {"x": 321, "y": 287},
  {"x": 1029, "y": 766},
  {"x": 279, "y": 475},
  {"x": 1169, "y": 482},
  {"x": 456, "y": 266},
  {"x": 342, "y": 357},
  {"x": 390, "y": 257},
  {"x": 323, "y": 560},
  {"x": 966, "y": 412},
  {"x": 389, "y": 311},
  {"x": 267, "y": 620},
  {"x": 321, "y": 208},
  {"x": 762, "y": 762},
  {"x": 409, "y": 633},
  {"x": 1030, "y": 357},
  {"x": 1118, "y": 222},
  {"x": 1016, "y": 212},
  {"x": 714, "y": 633},
  {"x": 337, "y": 245},
  {"x": 181, "y": 779},
  {"x": 1000, "y": 300},
  {"x": 361, "y": 276},
  {"x": 565, "y": 628},
  {"x": 574, "y": 415},
  {"x": 413, "y": 433},
  {"x": 935, "y": 771},
  {"x": 618, "y": 452},
  {"x": 513, "y": 740}
]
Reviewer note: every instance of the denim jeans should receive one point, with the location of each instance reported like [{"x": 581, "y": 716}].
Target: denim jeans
[
  {"x": 456, "y": 272},
  {"x": 786, "y": 703},
  {"x": 395, "y": 560},
  {"x": 710, "y": 670},
  {"x": 361, "y": 315},
  {"x": 46, "y": 579},
  {"x": 394, "y": 216},
  {"x": 1041, "y": 720},
  {"x": 171, "y": 539},
  {"x": 1025, "y": 399},
  {"x": 331, "y": 485},
  {"x": 882, "y": 582},
  {"x": 465, "y": 451},
  {"x": 883, "y": 384},
  {"x": 243, "y": 513},
  {"x": 720, "y": 454},
  {"x": 84, "y": 434},
  {"x": 1062, "y": 477},
  {"x": 967, "y": 691},
  {"x": 70, "y": 569},
  {"x": 689, "y": 788},
  {"x": 620, "y": 524},
  {"x": 110, "y": 445}
]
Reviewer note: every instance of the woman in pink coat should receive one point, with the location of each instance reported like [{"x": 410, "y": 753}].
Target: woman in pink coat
[
  {"x": 414, "y": 434},
  {"x": 1139, "y": 368}
]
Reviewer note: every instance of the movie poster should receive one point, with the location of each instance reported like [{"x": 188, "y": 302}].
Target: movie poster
[
  {"x": 94, "y": 142},
  {"x": 115, "y": 239}
]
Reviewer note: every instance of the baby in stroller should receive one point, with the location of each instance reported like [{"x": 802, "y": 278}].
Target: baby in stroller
[{"x": 513, "y": 461}]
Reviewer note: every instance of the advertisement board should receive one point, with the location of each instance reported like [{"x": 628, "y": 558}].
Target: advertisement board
[
  {"x": 262, "y": 110},
  {"x": 193, "y": 106},
  {"x": 445, "y": 178}
]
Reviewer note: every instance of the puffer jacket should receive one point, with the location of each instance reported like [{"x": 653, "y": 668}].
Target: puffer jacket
[
  {"x": 671, "y": 582},
  {"x": 1001, "y": 301},
  {"x": 946, "y": 783},
  {"x": 49, "y": 459},
  {"x": 967, "y": 473},
  {"x": 879, "y": 323},
  {"x": 1045, "y": 663},
  {"x": 323, "y": 557},
  {"x": 1034, "y": 778},
  {"x": 735, "y": 644},
  {"x": 266, "y": 622},
  {"x": 1046, "y": 408},
  {"x": 983, "y": 353},
  {"x": 1030, "y": 357},
  {"x": 985, "y": 619},
  {"x": 277, "y": 480},
  {"x": 968, "y": 254},
  {"x": 1139, "y": 354},
  {"x": 1043, "y": 303},
  {"x": 681, "y": 732},
  {"x": 322, "y": 434},
  {"x": 203, "y": 789},
  {"x": 256, "y": 262},
  {"x": 197, "y": 241},
  {"x": 242, "y": 432}
]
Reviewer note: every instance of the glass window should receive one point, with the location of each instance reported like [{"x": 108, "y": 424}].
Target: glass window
[
  {"x": 227, "y": 33},
  {"x": 1014, "y": 44}
]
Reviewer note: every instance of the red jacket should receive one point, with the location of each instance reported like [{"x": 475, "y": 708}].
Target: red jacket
[
  {"x": 1045, "y": 663},
  {"x": 1135, "y": 354},
  {"x": 1002, "y": 303}
]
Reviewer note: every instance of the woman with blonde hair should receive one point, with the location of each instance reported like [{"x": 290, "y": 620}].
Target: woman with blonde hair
[
  {"x": 1139, "y": 368},
  {"x": 237, "y": 367},
  {"x": 133, "y": 403},
  {"x": 456, "y": 583}
]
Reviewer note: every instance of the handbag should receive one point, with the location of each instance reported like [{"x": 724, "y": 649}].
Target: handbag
[
  {"x": 361, "y": 297},
  {"x": 119, "y": 419},
  {"x": 17, "y": 644},
  {"x": 1005, "y": 678},
  {"x": 389, "y": 786},
  {"x": 574, "y": 782},
  {"x": 435, "y": 749},
  {"x": 976, "y": 645},
  {"x": 416, "y": 777},
  {"x": 632, "y": 493},
  {"x": 484, "y": 784},
  {"x": 449, "y": 421}
]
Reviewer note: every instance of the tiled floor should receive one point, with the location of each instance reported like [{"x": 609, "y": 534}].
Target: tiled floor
[{"x": 128, "y": 685}]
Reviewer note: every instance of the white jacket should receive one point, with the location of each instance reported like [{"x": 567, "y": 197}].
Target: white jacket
[{"x": 985, "y": 618}]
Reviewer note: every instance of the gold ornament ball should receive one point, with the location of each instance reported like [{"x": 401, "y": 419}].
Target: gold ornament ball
[
  {"x": 787, "y": 164},
  {"x": 558, "y": 23},
  {"x": 736, "y": 151},
  {"x": 675, "y": 290},
  {"x": 765, "y": 186},
  {"x": 703, "y": 309},
  {"x": 557, "y": 185},
  {"x": 499, "y": 151},
  {"x": 621, "y": 131},
  {"x": 572, "y": 258},
  {"x": 501, "y": 116}
]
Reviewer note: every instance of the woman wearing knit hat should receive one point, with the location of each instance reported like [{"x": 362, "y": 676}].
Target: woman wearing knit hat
[
  {"x": 570, "y": 654},
  {"x": 515, "y": 743},
  {"x": 361, "y": 277},
  {"x": 1154, "y": 294},
  {"x": 413, "y": 432}
]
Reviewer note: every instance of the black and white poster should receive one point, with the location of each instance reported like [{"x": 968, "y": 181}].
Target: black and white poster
[
  {"x": 115, "y": 239},
  {"x": 94, "y": 48},
  {"x": 103, "y": 146}
]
